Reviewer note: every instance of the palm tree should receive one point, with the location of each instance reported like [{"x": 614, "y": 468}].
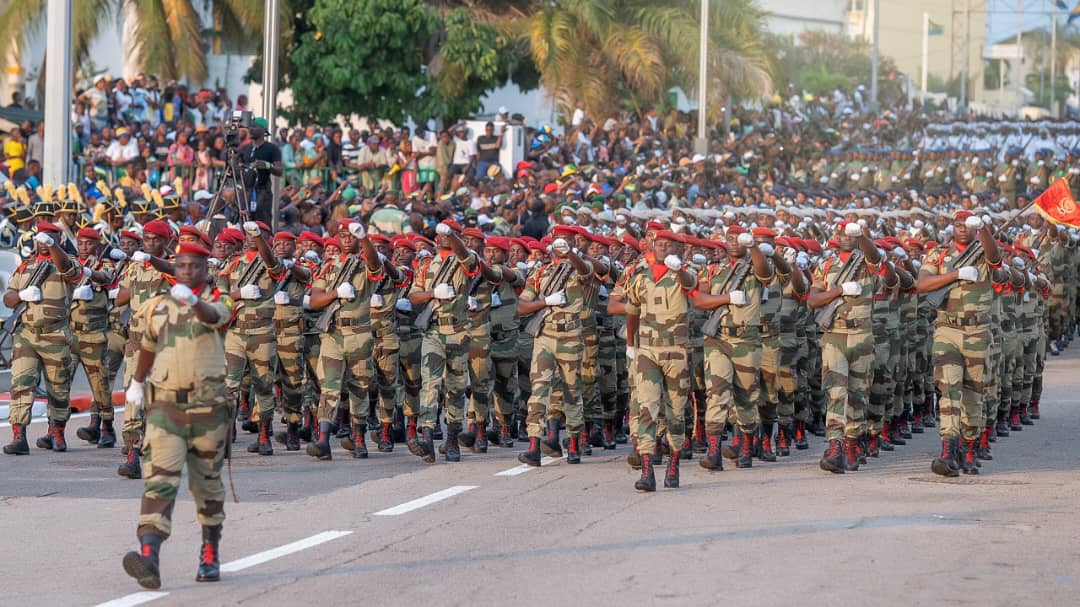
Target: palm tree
[
  {"x": 601, "y": 51},
  {"x": 168, "y": 34}
]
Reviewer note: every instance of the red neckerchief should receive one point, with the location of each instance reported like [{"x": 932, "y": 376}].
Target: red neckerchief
[
  {"x": 444, "y": 253},
  {"x": 960, "y": 247},
  {"x": 844, "y": 256},
  {"x": 658, "y": 271},
  {"x": 250, "y": 255}
]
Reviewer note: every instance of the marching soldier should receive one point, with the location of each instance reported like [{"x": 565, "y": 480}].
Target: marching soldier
[
  {"x": 409, "y": 336},
  {"x": 481, "y": 292},
  {"x": 504, "y": 334},
  {"x": 291, "y": 288},
  {"x": 385, "y": 330}
]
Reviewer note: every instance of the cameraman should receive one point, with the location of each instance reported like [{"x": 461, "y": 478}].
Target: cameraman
[{"x": 265, "y": 158}]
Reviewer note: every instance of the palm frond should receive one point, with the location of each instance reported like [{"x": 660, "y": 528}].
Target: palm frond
[
  {"x": 86, "y": 19},
  {"x": 185, "y": 31},
  {"x": 20, "y": 19},
  {"x": 151, "y": 41}
]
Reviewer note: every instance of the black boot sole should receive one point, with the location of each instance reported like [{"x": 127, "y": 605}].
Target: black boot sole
[
  {"x": 943, "y": 469},
  {"x": 831, "y": 467},
  {"x": 88, "y": 435},
  {"x": 135, "y": 565}
]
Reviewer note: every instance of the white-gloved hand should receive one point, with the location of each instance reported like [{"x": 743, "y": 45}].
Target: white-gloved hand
[
  {"x": 1019, "y": 263},
  {"x": 357, "y": 230},
  {"x": 560, "y": 246},
  {"x": 140, "y": 256},
  {"x": 443, "y": 230},
  {"x": 83, "y": 293},
  {"x": 346, "y": 291},
  {"x": 87, "y": 272},
  {"x": 699, "y": 259},
  {"x": 312, "y": 256},
  {"x": 522, "y": 267},
  {"x": 288, "y": 263},
  {"x": 974, "y": 222},
  {"x": 282, "y": 298},
  {"x": 737, "y": 298},
  {"x": 673, "y": 262},
  {"x": 444, "y": 291},
  {"x": 403, "y": 305},
  {"x": 376, "y": 300},
  {"x": 30, "y": 294},
  {"x": 851, "y": 289},
  {"x": 631, "y": 354},
  {"x": 306, "y": 303},
  {"x": 114, "y": 292},
  {"x": 117, "y": 255},
  {"x": 766, "y": 249},
  {"x": 899, "y": 252},
  {"x": 44, "y": 239},
  {"x": 802, "y": 260},
  {"x": 134, "y": 393},
  {"x": 251, "y": 228},
  {"x": 214, "y": 261},
  {"x": 555, "y": 299},
  {"x": 853, "y": 230},
  {"x": 744, "y": 240},
  {"x": 250, "y": 292},
  {"x": 183, "y": 294},
  {"x": 968, "y": 274}
]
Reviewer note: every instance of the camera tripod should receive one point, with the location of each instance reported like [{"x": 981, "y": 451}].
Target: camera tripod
[{"x": 233, "y": 176}]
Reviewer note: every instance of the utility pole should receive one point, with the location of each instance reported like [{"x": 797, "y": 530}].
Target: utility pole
[
  {"x": 874, "y": 59},
  {"x": 1019, "y": 55},
  {"x": 701, "y": 143},
  {"x": 57, "y": 162},
  {"x": 1053, "y": 64},
  {"x": 964, "y": 60},
  {"x": 271, "y": 47}
]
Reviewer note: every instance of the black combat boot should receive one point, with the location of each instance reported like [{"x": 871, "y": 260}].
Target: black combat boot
[
  {"x": 731, "y": 450},
  {"x": 107, "y": 439},
  {"x": 969, "y": 464},
  {"x": 209, "y": 558},
  {"x": 817, "y": 424},
  {"x": 633, "y": 459},
  {"x": 92, "y": 432},
  {"x": 248, "y": 424},
  {"x": 481, "y": 444},
  {"x": 493, "y": 432},
  {"x": 902, "y": 427},
  {"x": 468, "y": 437},
  {"x": 132, "y": 467},
  {"x": 686, "y": 452},
  {"x": 344, "y": 429},
  {"x": 386, "y": 441},
  {"x": 18, "y": 444},
  {"x": 608, "y": 433},
  {"x": 764, "y": 444},
  {"x": 573, "y": 453},
  {"x": 521, "y": 429},
  {"x": 916, "y": 421},
  {"x": 308, "y": 427},
  {"x": 320, "y": 447},
  {"x": 532, "y": 455},
  {"x": 671, "y": 479},
  {"x": 264, "y": 446},
  {"x": 894, "y": 434},
  {"x": 143, "y": 564},
  {"x": 1025, "y": 418},
  {"x": 1014, "y": 418},
  {"x": 800, "y": 436},
  {"x": 436, "y": 432},
  {"x": 453, "y": 448},
  {"x": 647, "y": 482},
  {"x": 1033, "y": 410},
  {"x": 873, "y": 445},
  {"x": 982, "y": 450},
  {"x": 833, "y": 460},
  {"x": 783, "y": 441},
  {"x": 659, "y": 445},
  {"x": 596, "y": 436},
  {"x": 851, "y": 454},
  {"x": 745, "y": 458},
  {"x": 712, "y": 460},
  {"x": 946, "y": 464},
  {"x": 583, "y": 442},
  {"x": 699, "y": 443},
  {"x": 58, "y": 440},
  {"x": 506, "y": 438},
  {"x": 46, "y": 441},
  {"x": 550, "y": 444},
  {"x": 292, "y": 436},
  {"x": 359, "y": 450},
  {"x": 622, "y": 405}
]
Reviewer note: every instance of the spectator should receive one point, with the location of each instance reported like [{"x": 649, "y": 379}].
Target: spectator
[
  {"x": 372, "y": 163},
  {"x": 35, "y": 144},
  {"x": 15, "y": 152},
  {"x": 487, "y": 149},
  {"x": 464, "y": 155},
  {"x": 444, "y": 159},
  {"x": 267, "y": 160}
]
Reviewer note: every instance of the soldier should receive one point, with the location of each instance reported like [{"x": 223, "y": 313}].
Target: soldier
[
  {"x": 291, "y": 289},
  {"x": 311, "y": 247},
  {"x": 794, "y": 289},
  {"x": 409, "y": 336},
  {"x": 188, "y": 413},
  {"x": 385, "y": 330},
  {"x": 119, "y": 315},
  {"x": 847, "y": 350},
  {"x": 657, "y": 307},
  {"x": 504, "y": 333},
  {"x": 42, "y": 341},
  {"x": 961, "y": 338},
  {"x": 481, "y": 290}
]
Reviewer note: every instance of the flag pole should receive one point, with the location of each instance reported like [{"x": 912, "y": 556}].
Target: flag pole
[{"x": 925, "y": 49}]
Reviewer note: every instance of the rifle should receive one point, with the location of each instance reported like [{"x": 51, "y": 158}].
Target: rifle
[
  {"x": 346, "y": 274},
  {"x": 423, "y": 317},
  {"x": 964, "y": 259},
  {"x": 825, "y": 315},
  {"x": 556, "y": 283},
  {"x": 733, "y": 282},
  {"x": 36, "y": 279}
]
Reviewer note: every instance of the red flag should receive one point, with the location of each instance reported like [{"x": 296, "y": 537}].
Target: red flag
[{"x": 1058, "y": 206}]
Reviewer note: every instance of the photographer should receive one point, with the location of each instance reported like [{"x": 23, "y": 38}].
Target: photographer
[{"x": 265, "y": 158}]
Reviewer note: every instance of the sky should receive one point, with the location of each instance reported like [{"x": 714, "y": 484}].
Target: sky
[{"x": 1001, "y": 22}]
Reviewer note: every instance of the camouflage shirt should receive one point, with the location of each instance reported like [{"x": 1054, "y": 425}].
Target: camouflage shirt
[
  {"x": 94, "y": 313},
  {"x": 853, "y": 313},
  {"x": 354, "y": 313},
  {"x": 453, "y": 312},
  {"x": 504, "y": 316},
  {"x": 253, "y": 314},
  {"x": 663, "y": 305},
  {"x": 144, "y": 282},
  {"x": 55, "y": 305},
  {"x": 964, "y": 298},
  {"x": 748, "y": 315},
  {"x": 575, "y": 289},
  {"x": 384, "y": 318},
  {"x": 289, "y": 315}
]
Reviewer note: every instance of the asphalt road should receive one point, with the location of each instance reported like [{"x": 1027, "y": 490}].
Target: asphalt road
[{"x": 777, "y": 534}]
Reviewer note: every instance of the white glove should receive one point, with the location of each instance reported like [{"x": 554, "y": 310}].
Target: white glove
[
  {"x": 346, "y": 291},
  {"x": 251, "y": 228},
  {"x": 183, "y": 294},
  {"x": 851, "y": 289},
  {"x": 312, "y": 256},
  {"x": 134, "y": 393},
  {"x": 745, "y": 240},
  {"x": 737, "y": 298},
  {"x": 444, "y": 291},
  {"x": 699, "y": 259},
  {"x": 443, "y": 230},
  {"x": 556, "y": 299},
  {"x": 114, "y": 292},
  {"x": 83, "y": 293},
  {"x": 853, "y": 230},
  {"x": 560, "y": 246},
  {"x": 673, "y": 262},
  {"x": 87, "y": 272},
  {"x": 766, "y": 249},
  {"x": 288, "y": 263},
  {"x": 44, "y": 239},
  {"x": 403, "y": 305},
  {"x": 522, "y": 267},
  {"x": 899, "y": 252},
  {"x": 357, "y": 230},
  {"x": 282, "y": 298},
  {"x": 306, "y": 302},
  {"x": 1019, "y": 263},
  {"x": 631, "y": 354},
  {"x": 30, "y": 294},
  {"x": 968, "y": 274},
  {"x": 376, "y": 300},
  {"x": 214, "y": 261},
  {"x": 140, "y": 257},
  {"x": 250, "y": 292},
  {"x": 974, "y": 222},
  {"x": 790, "y": 255},
  {"x": 117, "y": 255},
  {"x": 802, "y": 260}
]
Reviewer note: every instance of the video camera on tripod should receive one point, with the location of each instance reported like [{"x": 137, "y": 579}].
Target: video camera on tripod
[{"x": 237, "y": 120}]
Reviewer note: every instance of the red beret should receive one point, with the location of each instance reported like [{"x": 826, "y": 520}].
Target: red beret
[
  {"x": 263, "y": 226},
  {"x": 551, "y": 188},
  {"x": 813, "y": 246},
  {"x": 669, "y": 235},
  {"x": 538, "y": 246},
  {"x": 45, "y": 226},
  {"x": 192, "y": 248},
  {"x": 521, "y": 242},
  {"x": 130, "y": 234},
  {"x": 654, "y": 225},
  {"x": 284, "y": 235},
  {"x": 546, "y": 240},
  {"x": 454, "y": 225},
  {"x": 963, "y": 214},
  {"x": 236, "y": 234},
  {"x": 736, "y": 229},
  {"x": 709, "y": 244},
  {"x": 499, "y": 242},
  {"x": 90, "y": 233},
  {"x": 528, "y": 239},
  {"x": 196, "y": 232},
  {"x": 764, "y": 232},
  {"x": 600, "y": 239},
  {"x": 893, "y": 241},
  {"x": 832, "y": 243},
  {"x": 912, "y": 243},
  {"x": 310, "y": 236},
  {"x": 332, "y": 242},
  {"x": 345, "y": 223},
  {"x": 473, "y": 232},
  {"x": 420, "y": 239},
  {"x": 158, "y": 228},
  {"x": 561, "y": 230},
  {"x": 379, "y": 238},
  {"x": 929, "y": 245},
  {"x": 402, "y": 241},
  {"x": 784, "y": 241},
  {"x": 632, "y": 242}
]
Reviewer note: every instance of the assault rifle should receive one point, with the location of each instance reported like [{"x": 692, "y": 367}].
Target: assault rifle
[
  {"x": 556, "y": 283},
  {"x": 346, "y": 274},
  {"x": 964, "y": 259},
  {"x": 734, "y": 282},
  {"x": 36, "y": 280},
  {"x": 423, "y": 317},
  {"x": 826, "y": 314}
]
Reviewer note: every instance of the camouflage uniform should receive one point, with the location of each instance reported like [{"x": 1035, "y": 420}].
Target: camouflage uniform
[
  {"x": 144, "y": 282},
  {"x": 385, "y": 331},
  {"x": 250, "y": 344},
  {"x": 289, "y": 338},
  {"x": 409, "y": 340},
  {"x": 480, "y": 368},
  {"x": 504, "y": 344},
  {"x": 89, "y": 322}
]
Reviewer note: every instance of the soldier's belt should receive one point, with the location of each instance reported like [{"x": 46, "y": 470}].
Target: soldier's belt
[
  {"x": 453, "y": 323},
  {"x": 248, "y": 325},
  {"x": 964, "y": 320},
  {"x": 502, "y": 334},
  {"x": 88, "y": 327},
  {"x": 52, "y": 327},
  {"x": 284, "y": 325},
  {"x": 660, "y": 342},
  {"x": 354, "y": 323},
  {"x": 118, "y": 327},
  {"x": 179, "y": 397},
  {"x": 770, "y": 329},
  {"x": 852, "y": 323},
  {"x": 564, "y": 327},
  {"x": 745, "y": 331}
]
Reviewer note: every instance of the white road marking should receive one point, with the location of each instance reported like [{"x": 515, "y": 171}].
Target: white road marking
[
  {"x": 523, "y": 468},
  {"x": 136, "y": 598},
  {"x": 427, "y": 500},
  {"x": 45, "y": 419},
  {"x": 280, "y": 551}
]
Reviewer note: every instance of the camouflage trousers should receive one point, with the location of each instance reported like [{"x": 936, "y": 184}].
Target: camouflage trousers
[
  {"x": 556, "y": 360},
  {"x": 33, "y": 355},
  {"x": 1029, "y": 341},
  {"x": 894, "y": 403},
  {"x": 254, "y": 353},
  {"x": 88, "y": 349},
  {"x": 664, "y": 374},
  {"x": 387, "y": 365},
  {"x": 524, "y": 362},
  {"x": 1012, "y": 379},
  {"x": 698, "y": 385},
  {"x": 802, "y": 409},
  {"x": 114, "y": 353},
  {"x": 480, "y": 373},
  {"x": 960, "y": 371},
  {"x": 608, "y": 379},
  {"x": 133, "y": 414},
  {"x": 786, "y": 383},
  {"x": 818, "y": 400},
  {"x": 176, "y": 436},
  {"x": 505, "y": 364},
  {"x": 846, "y": 361},
  {"x": 312, "y": 345},
  {"x": 589, "y": 372},
  {"x": 411, "y": 380},
  {"x": 768, "y": 395},
  {"x": 881, "y": 383},
  {"x": 444, "y": 365},
  {"x": 995, "y": 363},
  {"x": 733, "y": 391},
  {"x": 1040, "y": 362},
  {"x": 345, "y": 365},
  {"x": 291, "y": 371}
]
